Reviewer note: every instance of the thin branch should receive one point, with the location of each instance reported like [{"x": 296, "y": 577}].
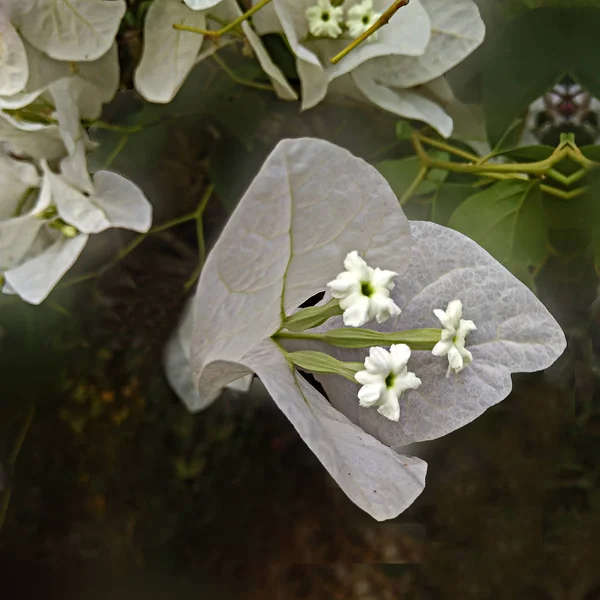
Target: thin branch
[
  {"x": 383, "y": 20},
  {"x": 219, "y": 32},
  {"x": 241, "y": 80}
]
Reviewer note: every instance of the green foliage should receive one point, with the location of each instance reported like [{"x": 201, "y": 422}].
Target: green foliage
[
  {"x": 529, "y": 56},
  {"x": 402, "y": 173},
  {"x": 507, "y": 219}
]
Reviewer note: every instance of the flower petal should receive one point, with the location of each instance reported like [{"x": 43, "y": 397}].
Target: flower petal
[
  {"x": 400, "y": 354},
  {"x": 371, "y": 394},
  {"x": 390, "y": 409},
  {"x": 358, "y": 313},
  {"x": 378, "y": 361}
]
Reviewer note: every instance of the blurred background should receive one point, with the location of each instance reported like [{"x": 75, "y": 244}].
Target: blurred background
[{"x": 110, "y": 488}]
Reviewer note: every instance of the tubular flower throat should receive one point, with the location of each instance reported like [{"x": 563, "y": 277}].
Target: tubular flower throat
[
  {"x": 363, "y": 292},
  {"x": 385, "y": 378},
  {"x": 360, "y": 18},
  {"x": 324, "y": 19}
]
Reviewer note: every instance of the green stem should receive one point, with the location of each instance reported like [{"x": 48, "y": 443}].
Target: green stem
[
  {"x": 414, "y": 185},
  {"x": 11, "y": 461},
  {"x": 536, "y": 168},
  {"x": 383, "y": 20},
  {"x": 200, "y": 236},
  {"x": 448, "y": 148},
  {"x": 563, "y": 195},
  {"x": 355, "y": 337},
  {"x": 229, "y": 27},
  {"x": 116, "y": 151},
  {"x": 241, "y": 80}
]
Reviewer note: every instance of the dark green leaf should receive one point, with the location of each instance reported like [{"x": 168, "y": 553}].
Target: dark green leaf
[
  {"x": 447, "y": 199},
  {"x": 401, "y": 173},
  {"x": 531, "y": 54},
  {"x": 507, "y": 219}
]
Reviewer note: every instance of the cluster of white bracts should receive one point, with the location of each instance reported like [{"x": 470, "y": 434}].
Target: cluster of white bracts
[
  {"x": 58, "y": 66},
  {"x": 401, "y": 70}
]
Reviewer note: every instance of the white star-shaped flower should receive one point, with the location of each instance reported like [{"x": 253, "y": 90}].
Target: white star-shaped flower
[
  {"x": 360, "y": 18},
  {"x": 452, "y": 343},
  {"x": 385, "y": 378},
  {"x": 363, "y": 292},
  {"x": 324, "y": 19}
]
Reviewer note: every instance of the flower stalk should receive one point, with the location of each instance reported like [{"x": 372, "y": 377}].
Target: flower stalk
[
  {"x": 383, "y": 20},
  {"x": 355, "y": 337}
]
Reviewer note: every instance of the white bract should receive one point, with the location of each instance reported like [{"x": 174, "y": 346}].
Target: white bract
[
  {"x": 455, "y": 330},
  {"x": 398, "y": 71},
  {"x": 69, "y": 29},
  {"x": 48, "y": 211},
  {"x": 385, "y": 378},
  {"x": 310, "y": 205},
  {"x": 324, "y": 19},
  {"x": 361, "y": 17},
  {"x": 169, "y": 54},
  {"x": 363, "y": 292},
  {"x": 176, "y": 362}
]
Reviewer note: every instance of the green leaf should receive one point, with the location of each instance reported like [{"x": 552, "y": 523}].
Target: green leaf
[
  {"x": 403, "y": 130},
  {"x": 507, "y": 219},
  {"x": 448, "y": 197},
  {"x": 401, "y": 173}
]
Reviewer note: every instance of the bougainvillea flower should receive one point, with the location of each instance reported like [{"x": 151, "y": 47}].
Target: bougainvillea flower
[{"x": 310, "y": 205}]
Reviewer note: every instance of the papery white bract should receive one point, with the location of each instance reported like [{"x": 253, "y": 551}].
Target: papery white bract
[
  {"x": 278, "y": 249},
  {"x": 515, "y": 333},
  {"x": 360, "y": 18},
  {"x": 385, "y": 378},
  {"x": 396, "y": 71},
  {"x": 407, "y": 34},
  {"x": 47, "y": 221},
  {"x": 324, "y": 19},
  {"x": 363, "y": 292},
  {"x": 70, "y": 29},
  {"x": 455, "y": 330},
  {"x": 176, "y": 362},
  {"x": 170, "y": 54}
]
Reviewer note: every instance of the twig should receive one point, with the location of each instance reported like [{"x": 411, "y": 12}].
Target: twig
[
  {"x": 241, "y": 80},
  {"x": 383, "y": 20},
  {"x": 12, "y": 459},
  {"x": 219, "y": 32}
]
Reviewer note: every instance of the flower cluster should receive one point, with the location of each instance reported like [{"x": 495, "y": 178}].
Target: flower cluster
[
  {"x": 364, "y": 294},
  {"x": 245, "y": 298},
  {"x": 327, "y": 20},
  {"x": 170, "y": 54},
  {"x": 400, "y": 68},
  {"x": 52, "y": 79}
]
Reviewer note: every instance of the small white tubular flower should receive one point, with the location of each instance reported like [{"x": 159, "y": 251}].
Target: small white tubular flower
[
  {"x": 363, "y": 292},
  {"x": 452, "y": 343},
  {"x": 385, "y": 378},
  {"x": 324, "y": 19},
  {"x": 360, "y": 18}
]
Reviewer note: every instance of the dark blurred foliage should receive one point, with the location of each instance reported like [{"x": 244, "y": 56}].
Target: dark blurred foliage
[{"x": 119, "y": 492}]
